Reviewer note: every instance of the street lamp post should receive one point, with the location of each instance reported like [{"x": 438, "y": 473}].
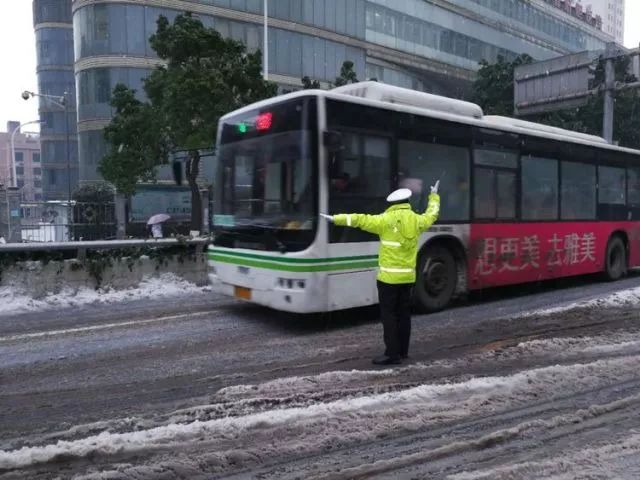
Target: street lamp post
[
  {"x": 62, "y": 102},
  {"x": 265, "y": 53}
]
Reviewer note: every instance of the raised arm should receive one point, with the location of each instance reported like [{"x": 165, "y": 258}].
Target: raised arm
[{"x": 430, "y": 215}]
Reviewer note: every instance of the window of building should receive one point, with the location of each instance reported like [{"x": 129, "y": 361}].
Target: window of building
[
  {"x": 36, "y": 158},
  {"x": 20, "y": 183},
  {"x": 37, "y": 171},
  {"x": 52, "y": 177},
  {"x": 102, "y": 85},
  {"x": 539, "y": 20},
  {"x": 539, "y": 188},
  {"x": 101, "y": 22},
  {"x": 19, "y": 156},
  {"x": 578, "y": 195},
  {"x": 420, "y": 32},
  {"x": 19, "y": 170},
  {"x": 37, "y": 183},
  {"x": 43, "y": 49},
  {"x": 135, "y": 22}
]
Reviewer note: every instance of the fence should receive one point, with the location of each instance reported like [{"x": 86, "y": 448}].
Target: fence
[{"x": 64, "y": 222}]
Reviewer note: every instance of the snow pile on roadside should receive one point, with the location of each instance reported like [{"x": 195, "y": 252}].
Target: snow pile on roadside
[
  {"x": 617, "y": 343},
  {"x": 166, "y": 285},
  {"x": 624, "y": 298},
  {"x": 338, "y": 379}
]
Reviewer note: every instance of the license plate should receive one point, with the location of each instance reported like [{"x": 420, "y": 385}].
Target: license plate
[{"x": 243, "y": 293}]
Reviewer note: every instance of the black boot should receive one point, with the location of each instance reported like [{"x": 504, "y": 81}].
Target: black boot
[{"x": 386, "y": 360}]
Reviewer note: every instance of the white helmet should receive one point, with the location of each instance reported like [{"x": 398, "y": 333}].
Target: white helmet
[{"x": 399, "y": 195}]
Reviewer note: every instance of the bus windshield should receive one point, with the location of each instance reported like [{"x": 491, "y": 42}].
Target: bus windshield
[{"x": 266, "y": 174}]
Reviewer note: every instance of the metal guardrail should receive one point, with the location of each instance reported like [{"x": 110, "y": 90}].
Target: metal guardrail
[{"x": 84, "y": 246}]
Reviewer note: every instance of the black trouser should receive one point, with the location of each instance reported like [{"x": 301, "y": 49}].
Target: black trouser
[{"x": 395, "y": 311}]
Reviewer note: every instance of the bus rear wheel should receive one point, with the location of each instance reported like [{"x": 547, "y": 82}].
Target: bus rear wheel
[
  {"x": 615, "y": 259},
  {"x": 436, "y": 278}
]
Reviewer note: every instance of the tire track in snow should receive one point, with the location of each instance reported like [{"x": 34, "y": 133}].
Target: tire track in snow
[
  {"x": 294, "y": 431},
  {"x": 302, "y": 391},
  {"x": 249, "y": 406}
]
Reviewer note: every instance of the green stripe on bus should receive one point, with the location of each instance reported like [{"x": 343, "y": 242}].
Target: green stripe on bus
[
  {"x": 232, "y": 253},
  {"x": 292, "y": 268}
]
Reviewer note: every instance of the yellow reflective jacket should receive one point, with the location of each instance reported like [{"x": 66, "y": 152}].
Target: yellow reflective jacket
[{"x": 399, "y": 229}]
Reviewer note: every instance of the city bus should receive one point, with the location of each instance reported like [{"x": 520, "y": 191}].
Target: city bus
[{"x": 520, "y": 202}]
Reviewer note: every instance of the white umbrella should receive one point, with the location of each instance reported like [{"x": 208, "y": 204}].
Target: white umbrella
[{"x": 159, "y": 218}]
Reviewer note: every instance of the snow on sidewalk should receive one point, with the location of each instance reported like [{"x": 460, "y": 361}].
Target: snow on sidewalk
[{"x": 166, "y": 285}]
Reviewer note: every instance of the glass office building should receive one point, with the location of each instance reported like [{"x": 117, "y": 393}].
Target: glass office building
[
  {"x": 431, "y": 45},
  {"x": 54, "y": 47}
]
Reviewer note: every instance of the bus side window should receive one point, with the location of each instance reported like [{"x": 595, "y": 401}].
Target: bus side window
[
  {"x": 578, "y": 195},
  {"x": 539, "y": 188},
  {"x": 633, "y": 193},
  {"x": 633, "y": 181},
  {"x": 361, "y": 183},
  {"x": 612, "y": 193},
  {"x": 421, "y": 164},
  {"x": 495, "y": 183}
]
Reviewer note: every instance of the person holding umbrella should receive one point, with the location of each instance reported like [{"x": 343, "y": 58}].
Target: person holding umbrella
[
  {"x": 156, "y": 224},
  {"x": 399, "y": 228}
]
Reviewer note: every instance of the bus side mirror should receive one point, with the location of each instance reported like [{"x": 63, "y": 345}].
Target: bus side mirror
[{"x": 333, "y": 141}]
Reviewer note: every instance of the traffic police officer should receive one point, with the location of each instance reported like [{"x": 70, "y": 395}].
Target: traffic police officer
[{"x": 399, "y": 229}]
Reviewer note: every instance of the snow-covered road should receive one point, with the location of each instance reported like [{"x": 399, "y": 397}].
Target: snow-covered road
[{"x": 545, "y": 390}]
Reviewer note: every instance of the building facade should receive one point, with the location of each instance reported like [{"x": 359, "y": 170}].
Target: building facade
[
  {"x": 430, "y": 45},
  {"x": 54, "y": 46},
  {"x": 28, "y": 162},
  {"x": 612, "y": 13}
]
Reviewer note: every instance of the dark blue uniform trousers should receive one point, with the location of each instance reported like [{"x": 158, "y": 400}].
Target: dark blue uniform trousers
[{"x": 395, "y": 312}]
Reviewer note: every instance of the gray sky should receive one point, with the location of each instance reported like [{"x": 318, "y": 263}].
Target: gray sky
[
  {"x": 18, "y": 56},
  {"x": 632, "y": 15}
]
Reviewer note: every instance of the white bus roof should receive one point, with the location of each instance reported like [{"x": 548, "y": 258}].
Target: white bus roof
[
  {"x": 382, "y": 92},
  {"x": 539, "y": 127},
  {"x": 405, "y": 100}
]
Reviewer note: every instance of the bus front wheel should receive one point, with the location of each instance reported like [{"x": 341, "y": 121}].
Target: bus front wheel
[
  {"x": 615, "y": 259},
  {"x": 436, "y": 278}
]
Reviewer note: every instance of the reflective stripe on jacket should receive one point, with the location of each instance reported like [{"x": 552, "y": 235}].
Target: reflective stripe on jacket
[{"x": 399, "y": 229}]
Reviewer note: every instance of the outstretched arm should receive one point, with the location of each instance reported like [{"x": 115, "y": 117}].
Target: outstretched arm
[{"x": 368, "y": 223}]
